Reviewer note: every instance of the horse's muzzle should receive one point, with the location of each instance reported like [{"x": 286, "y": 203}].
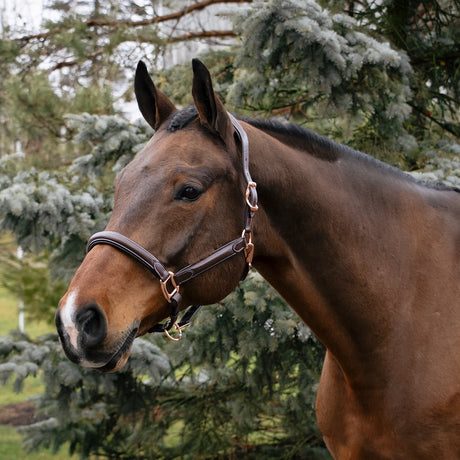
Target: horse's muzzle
[{"x": 83, "y": 335}]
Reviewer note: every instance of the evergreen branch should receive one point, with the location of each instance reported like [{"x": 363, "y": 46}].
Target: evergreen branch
[
  {"x": 28, "y": 38},
  {"x": 61, "y": 65},
  {"x": 101, "y": 22},
  {"x": 445, "y": 97},
  {"x": 41, "y": 120},
  {"x": 449, "y": 127},
  {"x": 177, "y": 39},
  {"x": 427, "y": 58},
  {"x": 202, "y": 34},
  {"x": 167, "y": 17}
]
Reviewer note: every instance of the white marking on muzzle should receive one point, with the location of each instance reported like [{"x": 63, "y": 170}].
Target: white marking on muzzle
[{"x": 68, "y": 311}]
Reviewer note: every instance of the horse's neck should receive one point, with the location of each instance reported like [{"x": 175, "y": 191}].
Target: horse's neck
[{"x": 330, "y": 239}]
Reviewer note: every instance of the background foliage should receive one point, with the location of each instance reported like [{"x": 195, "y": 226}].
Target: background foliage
[
  {"x": 379, "y": 76},
  {"x": 241, "y": 382}
]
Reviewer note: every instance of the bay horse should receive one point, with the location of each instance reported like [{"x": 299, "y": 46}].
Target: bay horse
[{"x": 368, "y": 257}]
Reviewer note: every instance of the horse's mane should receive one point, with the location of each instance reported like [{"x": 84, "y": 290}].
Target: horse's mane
[{"x": 304, "y": 139}]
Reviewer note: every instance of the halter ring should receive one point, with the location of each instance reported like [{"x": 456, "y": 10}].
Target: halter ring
[
  {"x": 179, "y": 329},
  {"x": 252, "y": 206}
]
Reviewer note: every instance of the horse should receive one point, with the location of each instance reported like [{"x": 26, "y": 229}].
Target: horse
[{"x": 367, "y": 256}]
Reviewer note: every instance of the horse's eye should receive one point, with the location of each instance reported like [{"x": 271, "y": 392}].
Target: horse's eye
[{"x": 188, "y": 193}]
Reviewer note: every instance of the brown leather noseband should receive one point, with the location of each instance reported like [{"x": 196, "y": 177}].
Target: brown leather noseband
[{"x": 171, "y": 282}]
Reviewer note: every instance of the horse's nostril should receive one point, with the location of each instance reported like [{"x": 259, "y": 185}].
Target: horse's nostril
[{"x": 92, "y": 325}]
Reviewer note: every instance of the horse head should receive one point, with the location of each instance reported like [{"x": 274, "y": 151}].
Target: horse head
[{"x": 180, "y": 198}]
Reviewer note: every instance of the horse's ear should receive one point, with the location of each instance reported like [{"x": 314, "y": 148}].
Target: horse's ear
[
  {"x": 153, "y": 104},
  {"x": 210, "y": 110}
]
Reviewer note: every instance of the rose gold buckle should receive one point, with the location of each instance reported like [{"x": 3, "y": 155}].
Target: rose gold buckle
[
  {"x": 249, "y": 249},
  {"x": 252, "y": 206},
  {"x": 164, "y": 287},
  {"x": 249, "y": 253},
  {"x": 179, "y": 329}
]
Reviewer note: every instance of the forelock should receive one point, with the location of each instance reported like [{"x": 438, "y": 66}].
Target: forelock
[{"x": 182, "y": 118}]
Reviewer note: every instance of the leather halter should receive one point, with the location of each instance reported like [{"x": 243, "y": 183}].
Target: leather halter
[{"x": 171, "y": 282}]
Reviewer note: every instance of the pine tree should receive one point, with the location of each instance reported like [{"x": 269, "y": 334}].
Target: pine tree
[
  {"x": 242, "y": 382},
  {"x": 391, "y": 69}
]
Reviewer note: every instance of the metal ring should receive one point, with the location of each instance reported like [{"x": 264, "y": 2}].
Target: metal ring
[
  {"x": 178, "y": 328},
  {"x": 252, "y": 206}
]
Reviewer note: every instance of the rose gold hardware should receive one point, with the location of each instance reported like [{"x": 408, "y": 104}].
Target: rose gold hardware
[
  {"x": 179, "y": 329},
  {"x": 164, "y": 287},
  {"x": 249, "y": 253},
  {"x": 249, "y": 249},
  {"x": 252, "y": 207}
]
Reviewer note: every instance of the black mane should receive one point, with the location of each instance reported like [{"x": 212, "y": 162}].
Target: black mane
[
  {"x": 292, "y": 134},
  {"x": 296, "y": 136}
]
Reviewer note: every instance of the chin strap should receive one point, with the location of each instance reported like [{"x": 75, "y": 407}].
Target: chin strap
[{"x": 178, "y": 326}]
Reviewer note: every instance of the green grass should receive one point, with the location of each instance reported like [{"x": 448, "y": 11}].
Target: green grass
[
  {"x": 8, "y": 312},
  {"x": 32, "y": 386},
  {"x": 11, "y": 448},
  {"x": 9, "y": 317},
  {"x": 9, "y": 304}
]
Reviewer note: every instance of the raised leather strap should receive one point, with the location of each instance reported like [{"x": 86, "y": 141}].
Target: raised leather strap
[
  {"x": 251, "y": 190},
  {"x": 149, "y": 261},
  {"x": 130, "y": 248},
  {"x": 220, "y": 255}
]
